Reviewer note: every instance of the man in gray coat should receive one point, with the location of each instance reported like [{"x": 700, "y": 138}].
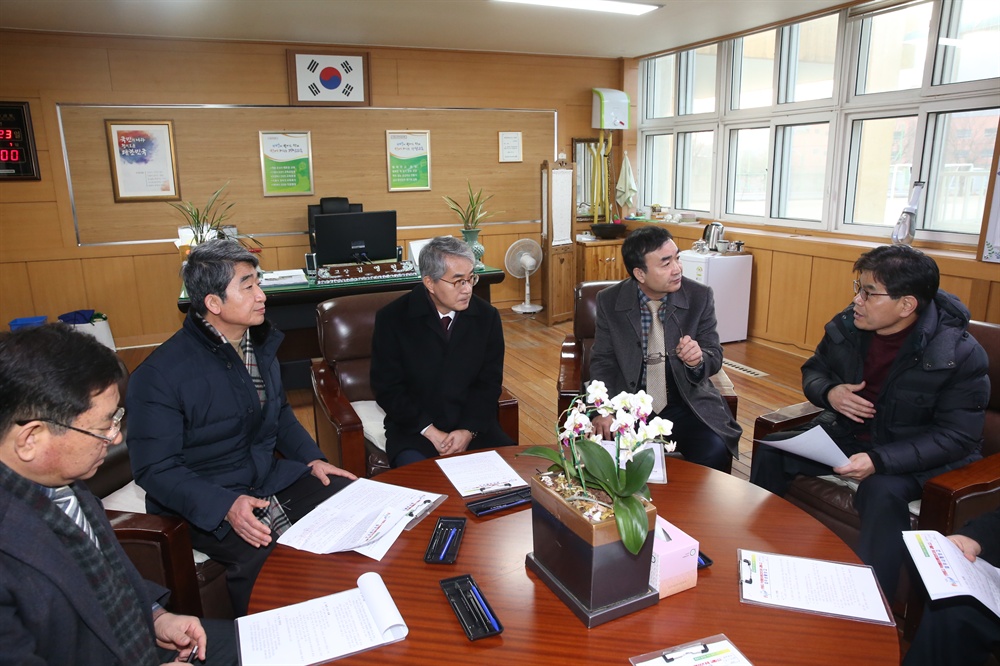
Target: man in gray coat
[{"x": 704, "y": 429}]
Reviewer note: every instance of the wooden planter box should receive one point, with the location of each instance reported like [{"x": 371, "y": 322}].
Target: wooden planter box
[{"x": 585, "y": 563}]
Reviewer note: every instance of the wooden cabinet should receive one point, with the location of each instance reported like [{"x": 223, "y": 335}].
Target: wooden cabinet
[
  {"x": 558, "y": 281},
  {"x": 600, "y": 260}
]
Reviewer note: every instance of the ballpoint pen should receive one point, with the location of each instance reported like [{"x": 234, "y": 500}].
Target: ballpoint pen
[
  {"x": 444, "y": 551},
  {"x": 482, "y": 606}
]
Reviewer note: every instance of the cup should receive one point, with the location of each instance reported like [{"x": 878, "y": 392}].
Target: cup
[{"x": 722, "y": 246}]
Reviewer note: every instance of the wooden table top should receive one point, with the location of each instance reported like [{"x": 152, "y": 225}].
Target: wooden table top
[{"x": 722, "y": 512}]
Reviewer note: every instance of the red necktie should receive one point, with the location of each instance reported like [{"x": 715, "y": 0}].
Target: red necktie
[{"x": 446, "y": 326}]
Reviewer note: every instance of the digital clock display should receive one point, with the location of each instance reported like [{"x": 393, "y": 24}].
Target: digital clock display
[{"x": 17, "y": 145}]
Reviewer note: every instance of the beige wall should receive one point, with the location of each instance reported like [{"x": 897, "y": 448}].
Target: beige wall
[{"x": 44, "y": 271}]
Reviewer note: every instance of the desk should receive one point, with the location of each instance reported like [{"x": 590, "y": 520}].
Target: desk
[
  {"x": 292, "y": 309},
  {"x": 724, "y": 513}
]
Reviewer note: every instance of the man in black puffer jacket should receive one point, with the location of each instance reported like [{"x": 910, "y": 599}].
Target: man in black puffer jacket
[{"x": 904, "y": 390}]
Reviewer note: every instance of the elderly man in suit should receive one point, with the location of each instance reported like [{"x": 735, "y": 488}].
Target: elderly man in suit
[
  {"x": 68, "y": 593},
  {"x": 656, "y": 330},
  {"x": 437, "y": 361}
]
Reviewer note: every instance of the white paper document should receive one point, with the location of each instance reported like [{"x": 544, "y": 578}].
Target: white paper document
[
  {"x": 815, "y": 586},
  {"x": 480, "y": 473},
  {"x": 813, "y": 444},
  {"x": 716, "y": 650},
  {"x": 359, "y": 515},
  {"x": 946, "y": 572},
  {"x": 659, "y": 473},
  {"x": 323, "y": 629},
  {"x": 286, "y": 277}
]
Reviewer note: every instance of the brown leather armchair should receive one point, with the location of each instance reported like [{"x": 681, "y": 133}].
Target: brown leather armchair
[
  {"x": 345, "y": 327},
  {"x": 577, "y": 350},
  {"x": 949, "y": 500}
]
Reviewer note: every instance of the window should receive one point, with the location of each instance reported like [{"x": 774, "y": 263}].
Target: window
[
  {"x": 811, "y": 49},
  {"x": 694, "y": 167},
  {"x": 961, "y": 148},
  {"x": 882, "y": 154},
  {"x": 893, "y": 48},
  {"x": 753, "y": 70},
  {"x": 801, "y": 164},
  {"x": 659, "y": 181},
  {"x": 660, "y": 87},
  {"x": 748, "y": 182},
  {"x": 970, "y": 42},
  {"x": 697, "y": 80}
]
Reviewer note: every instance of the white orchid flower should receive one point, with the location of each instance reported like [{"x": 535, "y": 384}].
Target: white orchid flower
[{"x": 597, "y": 393}]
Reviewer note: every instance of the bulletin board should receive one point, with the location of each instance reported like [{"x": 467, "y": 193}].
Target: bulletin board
[{"x": 214, "y": 145}]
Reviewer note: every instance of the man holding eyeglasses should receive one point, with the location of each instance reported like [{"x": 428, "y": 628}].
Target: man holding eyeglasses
[
  {"x": 68, "y": 592},
  {"x": 684, "y": 327},
  {"x": 437, "y": 361},
  {"x": 904, "y": 390}
]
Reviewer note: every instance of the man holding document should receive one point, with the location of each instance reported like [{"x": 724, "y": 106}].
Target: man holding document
[{"x": 904, "y": 389}]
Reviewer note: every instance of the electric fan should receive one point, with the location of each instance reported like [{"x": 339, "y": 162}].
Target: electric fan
[{"x": 523, "y": 258}]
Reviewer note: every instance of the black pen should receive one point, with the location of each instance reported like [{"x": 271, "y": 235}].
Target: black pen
[
  {"x": 482, "y": 606},
  {"x": 191, "y": 657},
  {"x": 458, "y": 611},
  {"x": 444, "y": 551},
  {"x": 473, "y": 607}
]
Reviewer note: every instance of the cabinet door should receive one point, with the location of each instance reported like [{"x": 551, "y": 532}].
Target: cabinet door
[{"x": 605, "y": 263}]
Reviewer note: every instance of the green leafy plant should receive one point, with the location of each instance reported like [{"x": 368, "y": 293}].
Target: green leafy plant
[
  {"x": 473, "y": 212},
  {"x": 587, "y": 465},
  {"x": 207, "y": 223}
]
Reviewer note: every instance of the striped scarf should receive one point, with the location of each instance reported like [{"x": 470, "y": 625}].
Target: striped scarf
[
  {"x": 248, "y": 354},
  {"x": 103, "y": 569}
]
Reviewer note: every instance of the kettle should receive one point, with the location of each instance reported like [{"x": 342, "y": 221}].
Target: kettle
[{"x": 713, "y": 234}]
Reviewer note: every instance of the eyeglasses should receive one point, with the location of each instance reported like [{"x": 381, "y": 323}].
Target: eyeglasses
[
  {"x": 464, "y": 282},
  {"x": 864, "y": 293},
  {"x": 110, "y": 437}
]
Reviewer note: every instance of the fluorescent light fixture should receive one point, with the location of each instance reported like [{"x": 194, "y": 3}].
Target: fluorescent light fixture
[{"x": 613, "y": 6}]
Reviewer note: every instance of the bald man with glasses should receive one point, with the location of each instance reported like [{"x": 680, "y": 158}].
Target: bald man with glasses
[
  {"x": 437, "y": 361},
  {"x": 904, "y": 391}
]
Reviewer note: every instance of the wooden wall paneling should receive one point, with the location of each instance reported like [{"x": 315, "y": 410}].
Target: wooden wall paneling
[
  {"x": 960, "y": 287},
  {"x": 15, "y": 300},
  {"x": 216, "y": 145},
  {"x": 760, "y": 293},
  {"x": 57, "y": 286},
  {"x": 111, "y": 288},
  {"x": 993, "y": 306},
  {"x": 209, "y": 74},
  {"x": 789, "y": 288},
  {"x": 30, "y": 63},
  {"x": 291, "y": 257},
  {"x": 28, "y": 227},
  {"x": 158, "y": 282},
  {"x": 830, "y": 292}
]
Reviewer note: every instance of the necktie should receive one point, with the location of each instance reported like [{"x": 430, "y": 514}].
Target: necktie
[
  {"x": 446, "y": 326},
  {"x": 656, "y": 361},
  {"x": 65, "y": 499}
]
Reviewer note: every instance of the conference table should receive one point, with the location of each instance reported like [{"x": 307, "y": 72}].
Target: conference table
[{"x": 722, "y": 512}]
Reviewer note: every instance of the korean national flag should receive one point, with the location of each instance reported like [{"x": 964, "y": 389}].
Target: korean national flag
[{"x": 330, "y": 78}]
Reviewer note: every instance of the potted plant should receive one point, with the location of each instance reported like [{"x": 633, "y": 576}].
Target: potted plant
[
  {"x": 591, "y": 515},
  {"x": 471, "y": 214},
  {"x": 206, "y": 223}
]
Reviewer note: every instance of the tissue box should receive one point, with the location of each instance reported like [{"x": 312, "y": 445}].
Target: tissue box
[{"x": 675, "y": 560}]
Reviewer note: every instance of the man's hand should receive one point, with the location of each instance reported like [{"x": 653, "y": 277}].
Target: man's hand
[
  {"x": 323, "y": 470},
  {"x": 602, "y": 426},
  {"x": 689, "y": 351},
  {"x": 858, "y": 467},
  {"x": 844, "y": 399},
  {"x": 436, "y": 437},
  {"x": 247, "y": 525},
  {"x": 456, "y": 442},
  {"x": 969, "y": 547},
  {"x": 180, "y": 632}
]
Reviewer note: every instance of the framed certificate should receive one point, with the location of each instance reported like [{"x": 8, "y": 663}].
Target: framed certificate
[
  {"x": 286, "y": 163},
  {"x": 408, "y": 160},
  {"x": 143, "y": 167},
  {"x": 328, "y": 78}
]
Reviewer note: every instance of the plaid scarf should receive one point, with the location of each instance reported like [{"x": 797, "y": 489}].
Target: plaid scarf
[
  {"x": 103, "y": 569},
  {"x": 248, "y": 354}
]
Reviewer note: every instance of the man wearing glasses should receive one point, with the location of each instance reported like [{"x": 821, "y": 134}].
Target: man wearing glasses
[
  {"x": 437, "y": 361},
  {"x": 207, "y": 415},
  {"x": 904, "y": 390},
  {"x": 68, "y": 592},
  {"x": 672, "y": 354}
]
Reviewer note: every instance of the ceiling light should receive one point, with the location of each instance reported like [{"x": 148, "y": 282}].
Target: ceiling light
[{"x": 614, "y": 6}]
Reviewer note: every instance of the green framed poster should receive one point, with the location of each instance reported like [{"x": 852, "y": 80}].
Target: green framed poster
[
  {"x": 286, "y": 163},
  {"x": 408, "y": 157}
]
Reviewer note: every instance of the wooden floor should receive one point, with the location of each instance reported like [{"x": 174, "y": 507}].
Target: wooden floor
[{"x": 531, "y": 367}]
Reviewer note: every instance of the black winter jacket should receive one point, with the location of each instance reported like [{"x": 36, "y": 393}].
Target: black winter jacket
[{"x": 931, "y": 409}]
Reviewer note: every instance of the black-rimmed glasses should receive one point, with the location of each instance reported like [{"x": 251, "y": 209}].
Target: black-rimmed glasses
[
  {"x": 110, "y": 437},
  {"x": 864, "y": 293},
  {"x": 463, "y": 282}
]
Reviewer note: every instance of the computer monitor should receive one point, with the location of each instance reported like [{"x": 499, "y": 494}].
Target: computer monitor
[
  {"x": 351, "y": 238},
  {"x": 327, "y": 205}
]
